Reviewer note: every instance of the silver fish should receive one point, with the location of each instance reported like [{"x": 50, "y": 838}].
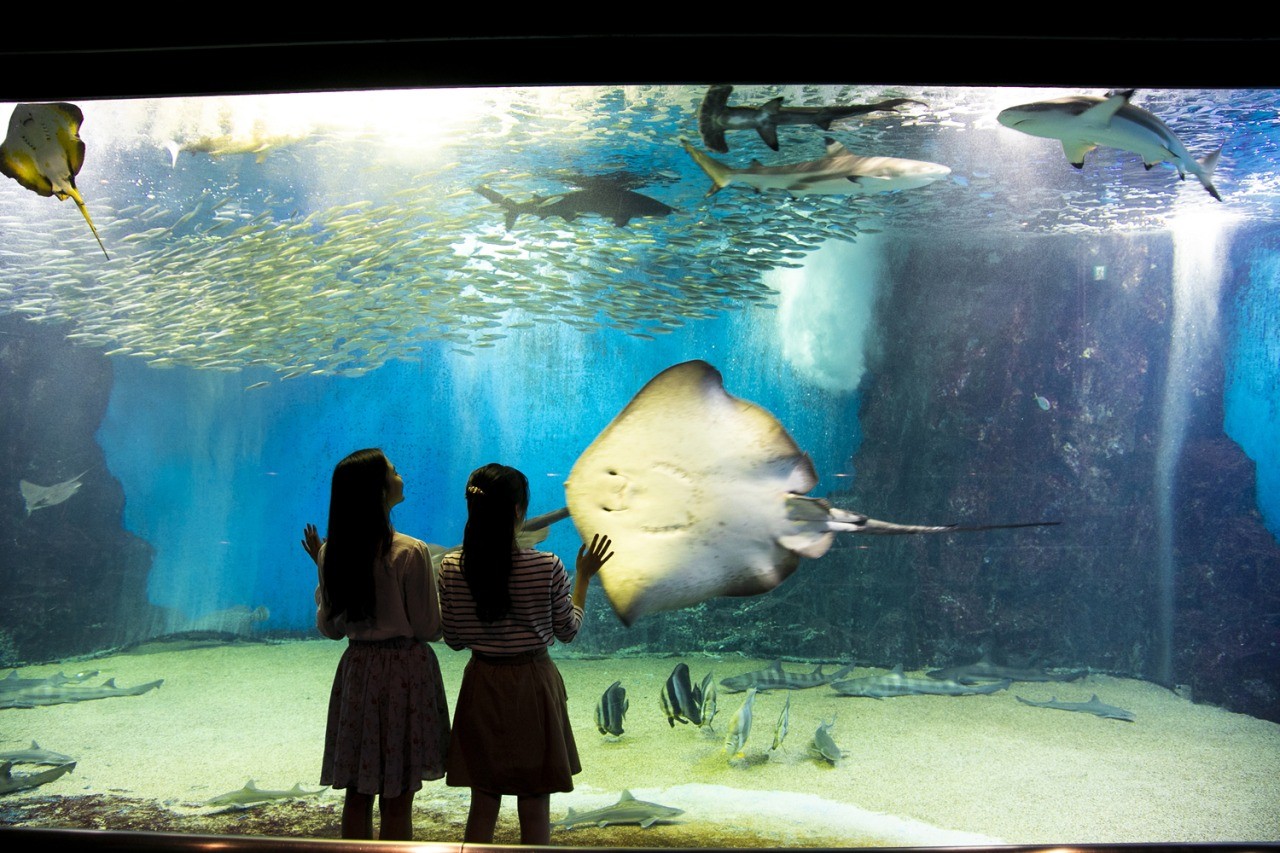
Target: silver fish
[
  {"x": 740, "y": 727},
  {"x": 784, "y": 719}
]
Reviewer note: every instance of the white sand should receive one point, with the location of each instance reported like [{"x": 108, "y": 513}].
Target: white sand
[{"x": 915, "y": 771}]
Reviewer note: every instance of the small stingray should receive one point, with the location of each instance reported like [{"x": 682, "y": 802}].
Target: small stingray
[
  {"x": 44, "y": 153},
  {"x": 39, "y": 497},
  {"x": 703, "y": 495}
]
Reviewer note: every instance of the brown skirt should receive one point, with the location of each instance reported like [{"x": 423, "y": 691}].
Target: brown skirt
[{"x": 511, "y": 732}]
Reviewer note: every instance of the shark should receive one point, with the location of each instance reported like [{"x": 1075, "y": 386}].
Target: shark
[
  {"x": 1083, "y": 122},
  {"x": 56, "y": 694},
  {"x": 626, "y": 810},
  {"x": 985, "y": 670},
  {"x": 39, "y": 497},
  {"x": 10, "y": 783},
  {"x": 774, "y": 677},
  {"x": 14, "y": 682},
  {"x": 43, "y": 152},
  {"x": 252, "y": 795},
  {"x": 1093, "y": 706},
  {"x": 602, "y": 198},
  {"x": 35, "y": 754},
  {"x": 838, "y": 172},
  {"x": 896, "y": 683},
  {"x": 715, "y": 116}
]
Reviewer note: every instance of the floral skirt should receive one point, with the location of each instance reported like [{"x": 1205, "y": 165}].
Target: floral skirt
[
  {"x": 511, "y": 732},
  {"x": 388, "y": 718}
]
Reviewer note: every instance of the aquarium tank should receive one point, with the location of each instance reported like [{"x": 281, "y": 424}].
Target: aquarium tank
[{"x": 936, "y": 424}]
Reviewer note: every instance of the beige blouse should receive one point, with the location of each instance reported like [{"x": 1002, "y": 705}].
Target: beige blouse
[{"x": 406, "y": 603}]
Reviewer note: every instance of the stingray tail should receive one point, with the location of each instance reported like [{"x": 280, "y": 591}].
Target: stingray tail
[
  {"x": 844, "y": 521},
  {"x": 79, "y": 200}
]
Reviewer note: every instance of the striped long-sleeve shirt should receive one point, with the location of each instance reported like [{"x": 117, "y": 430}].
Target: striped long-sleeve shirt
[{"x": 542, "y": 609}]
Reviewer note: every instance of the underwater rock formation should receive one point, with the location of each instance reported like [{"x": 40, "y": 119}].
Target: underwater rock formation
[{"x": 73, "y": 579}]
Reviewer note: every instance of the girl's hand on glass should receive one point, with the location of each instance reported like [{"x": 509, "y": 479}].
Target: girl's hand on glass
[{"x": 592, "y": 557}]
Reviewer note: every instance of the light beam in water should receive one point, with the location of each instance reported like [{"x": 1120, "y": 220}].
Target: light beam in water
[{"x": 1199, "y": 244}]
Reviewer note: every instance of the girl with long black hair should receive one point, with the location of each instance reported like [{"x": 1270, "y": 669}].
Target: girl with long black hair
[
  {"x": 511, "y": 732},
  {"x": 388, "y": 725}
]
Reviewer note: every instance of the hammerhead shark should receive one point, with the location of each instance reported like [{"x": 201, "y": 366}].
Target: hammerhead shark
[{"x": 715, "y": 116}]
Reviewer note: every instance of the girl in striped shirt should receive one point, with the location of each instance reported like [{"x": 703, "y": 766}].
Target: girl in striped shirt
[{"x": 511, "y": 732}]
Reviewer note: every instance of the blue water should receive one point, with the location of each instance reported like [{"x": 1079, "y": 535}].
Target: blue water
[
  {"x": 536, "y": 403},
  {"x": 1252, "y": 394}
]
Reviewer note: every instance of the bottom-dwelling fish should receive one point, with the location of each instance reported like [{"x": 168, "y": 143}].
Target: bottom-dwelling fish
[
  {"x": 1093, "y": 706},
  {"x": 822, "y": 746},
  {"x": 626, "y": 810}
]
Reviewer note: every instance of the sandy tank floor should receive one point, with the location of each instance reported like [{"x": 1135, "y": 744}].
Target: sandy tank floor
[{"x": 921, "y": 770}]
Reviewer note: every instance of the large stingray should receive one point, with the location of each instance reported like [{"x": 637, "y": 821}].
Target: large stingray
[
  {"x": 44, "y": 153},
  {"x": 703, "y": 495}
]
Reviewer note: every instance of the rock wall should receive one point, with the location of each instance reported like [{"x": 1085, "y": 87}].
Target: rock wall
[{"x": 73, "y": 579}]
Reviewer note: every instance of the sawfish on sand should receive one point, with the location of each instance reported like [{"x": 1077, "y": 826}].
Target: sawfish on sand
[{"x": 704, "y": 495}]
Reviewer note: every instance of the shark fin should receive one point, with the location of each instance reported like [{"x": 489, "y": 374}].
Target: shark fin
[
  {"x": 714, "y": 139},
  {"x": 1207, "y": 165},
  {"x": 1101, "y": 114},
  {"x": 768, "y": 123},
  {"x": 626, "y": 795},
  {"x": 648, "y": 822},
  {"x": 1075, "y": 151}
]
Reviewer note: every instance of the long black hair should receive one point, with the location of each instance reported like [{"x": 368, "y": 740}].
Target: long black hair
[
  {"x": 359, "y": 533},
  {"x": 494, "y": 493}
]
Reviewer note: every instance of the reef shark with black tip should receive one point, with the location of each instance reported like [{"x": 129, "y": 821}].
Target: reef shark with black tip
[
  {"x": 1083, "y": 122},
  {"x": 602, "y": 198},
  {"x": 838, "y": 172}
]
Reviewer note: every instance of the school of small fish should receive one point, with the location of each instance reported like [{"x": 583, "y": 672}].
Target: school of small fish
[{"x": 226, "y": 258}]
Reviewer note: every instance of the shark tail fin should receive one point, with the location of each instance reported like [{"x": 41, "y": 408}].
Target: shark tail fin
[
  {"x": 1207, "y": 165},
  {"x": 512, "y": 211},
  {"x": 720, "y": 175},
  {"x": 173, "y": 148}
]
